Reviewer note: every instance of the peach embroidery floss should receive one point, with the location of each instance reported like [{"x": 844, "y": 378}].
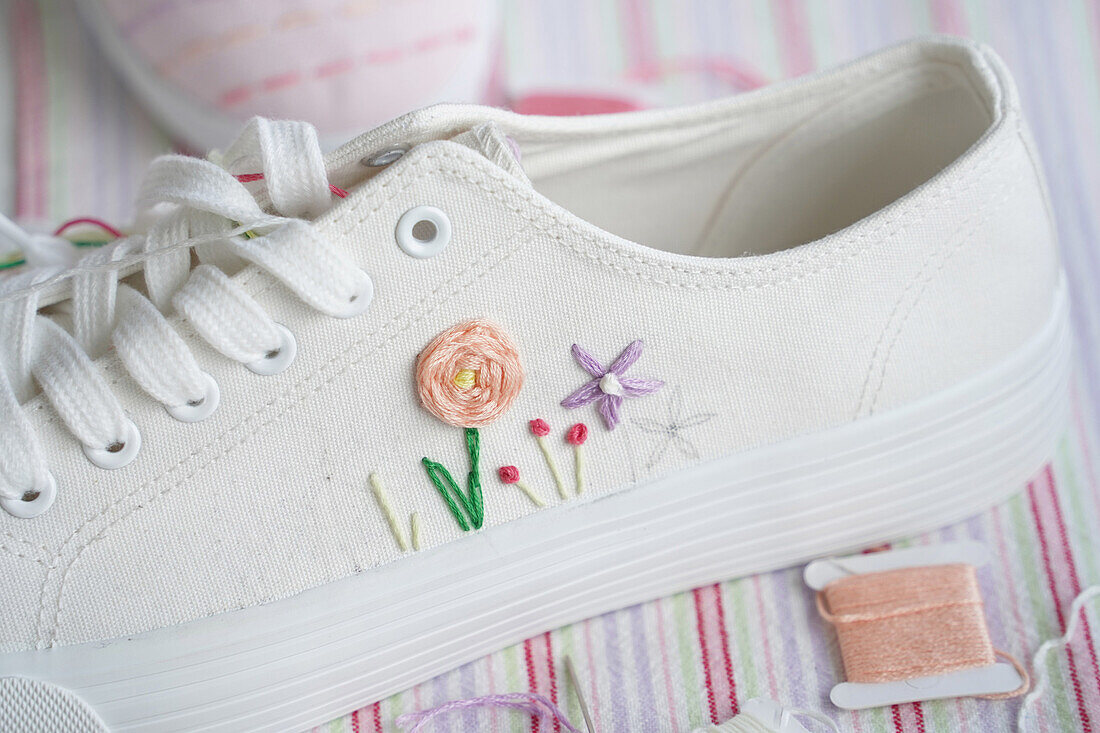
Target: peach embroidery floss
[
  {"x": 469, "y": 375},
  {"x": 911, "y": 622}
]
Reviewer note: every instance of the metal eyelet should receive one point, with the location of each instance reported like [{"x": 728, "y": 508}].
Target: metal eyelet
[
  {"x": 119, "y": 453},
  {"x": 278, "y": 359},
  {"x": 423, "y": 232},
  {"x": 386, "y": 156},
  {"x": 203, "y": 407},
  {"x": 34, "y": 501}
]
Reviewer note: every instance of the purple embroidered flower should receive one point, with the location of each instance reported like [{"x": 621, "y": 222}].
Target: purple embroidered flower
[{"x": 609, "y": 386}]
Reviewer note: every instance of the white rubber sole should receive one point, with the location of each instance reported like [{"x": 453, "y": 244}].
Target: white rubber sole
[{"x": 310, "y": 658}]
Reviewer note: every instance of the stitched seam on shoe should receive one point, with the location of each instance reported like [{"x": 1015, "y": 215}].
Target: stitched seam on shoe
[
  {"x": 920, "y": 282},
  {"x": 14, "y": 552},
  {"x": 942, "y": 197},
  {"x": 136, "y": 258},
  {"x": 994, "y": 151},
  {"x": 799, "y": 128},
  {"x": 794, "y": 90},
  {"x": 922, "y": 288},
  {"x": 29, "y": 544},
  {"x": 506, "y": 249}
]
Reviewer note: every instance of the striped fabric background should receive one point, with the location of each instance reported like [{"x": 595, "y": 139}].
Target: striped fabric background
[{"x": 679, "y": 662}]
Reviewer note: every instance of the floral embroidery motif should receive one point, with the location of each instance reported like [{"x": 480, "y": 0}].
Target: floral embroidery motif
[
  {"x": 673, "y": 430},
  {"x": 468, "y": 376},
  {"x": 610, "y": 386}
]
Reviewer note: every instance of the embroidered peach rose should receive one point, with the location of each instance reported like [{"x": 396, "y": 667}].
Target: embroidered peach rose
[{"x": 469, "y": 375}]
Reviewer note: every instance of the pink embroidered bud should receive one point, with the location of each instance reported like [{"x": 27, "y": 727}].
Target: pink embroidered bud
[
  {"x": 577, "y": 434},
  {"x": 540, "y": 429},
  {"x": 508, "y": 474}
]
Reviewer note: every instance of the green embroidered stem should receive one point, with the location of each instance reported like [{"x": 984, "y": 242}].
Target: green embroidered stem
[
  {"x": 473, "y": 479},
  {"x": 457, "y": 500}
]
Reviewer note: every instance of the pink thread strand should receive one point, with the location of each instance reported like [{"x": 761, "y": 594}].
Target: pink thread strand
[
  {"x": 250, "y": 177},
  {"x": 90, "y": 221}
]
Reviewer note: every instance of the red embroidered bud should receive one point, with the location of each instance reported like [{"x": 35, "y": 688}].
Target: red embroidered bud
[
  {"x": 577, "y": 434},
  {"x": 508, "y": 474},
  {"x": 540, "y": 427}
]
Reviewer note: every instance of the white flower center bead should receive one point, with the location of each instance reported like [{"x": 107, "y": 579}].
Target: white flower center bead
[{"x": 610, "y": 384}]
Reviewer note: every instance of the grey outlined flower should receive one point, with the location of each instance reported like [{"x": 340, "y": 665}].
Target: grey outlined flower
[
  {"x": 672, "y": 431},
  {"x": 610, "y": 385}
]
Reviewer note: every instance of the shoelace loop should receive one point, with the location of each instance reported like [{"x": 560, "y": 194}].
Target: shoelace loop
[{"x": 185, "y": 205}]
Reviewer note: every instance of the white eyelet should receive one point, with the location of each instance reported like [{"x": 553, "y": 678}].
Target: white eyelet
[
  {"x": 423, "y": 232},
  {"x": 204, "y": 408},
  {"x": 41, "y": 499},
  {"x": 279, "y": 359},
  {"x": 118, "y": 454},
  {"x": 360, "y": 298}
]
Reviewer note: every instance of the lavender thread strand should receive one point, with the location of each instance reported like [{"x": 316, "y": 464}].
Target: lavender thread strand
[{"x": 525, "y": 702}]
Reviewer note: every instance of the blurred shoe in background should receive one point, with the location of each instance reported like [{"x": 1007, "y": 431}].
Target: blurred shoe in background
[{"x": 204, "y": 67}]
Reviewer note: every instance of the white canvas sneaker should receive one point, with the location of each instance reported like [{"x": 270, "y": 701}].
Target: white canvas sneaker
[{"x": 278, "y": 455}]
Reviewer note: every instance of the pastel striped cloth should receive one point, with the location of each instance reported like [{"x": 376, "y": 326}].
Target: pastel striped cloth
[{"x": 679, "y": 662}]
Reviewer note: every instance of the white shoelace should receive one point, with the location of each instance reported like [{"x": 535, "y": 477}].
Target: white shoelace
[{"x": 186, "y": 205}]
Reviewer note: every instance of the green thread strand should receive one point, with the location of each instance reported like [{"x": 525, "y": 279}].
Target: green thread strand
[
  {"x": 444, "y": 484},
  {"x": 477, "y": 500},
  {"x": 471, "y": 501}
]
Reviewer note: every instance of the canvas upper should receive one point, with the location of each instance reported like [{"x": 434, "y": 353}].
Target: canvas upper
[{"x": 790, "y": 260}]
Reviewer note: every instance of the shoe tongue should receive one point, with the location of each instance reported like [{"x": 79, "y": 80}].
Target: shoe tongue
[{"x": 490, "y": 141}]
